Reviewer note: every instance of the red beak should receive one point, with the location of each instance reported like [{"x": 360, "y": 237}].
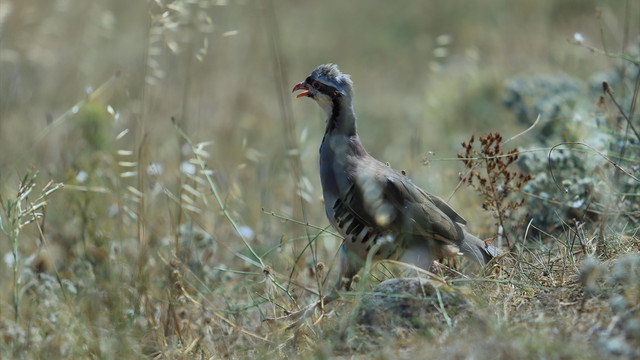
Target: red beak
[{"x": 301, "y": 86}]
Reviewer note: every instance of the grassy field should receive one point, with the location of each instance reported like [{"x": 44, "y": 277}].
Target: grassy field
[{"x": 159, "y": 182}]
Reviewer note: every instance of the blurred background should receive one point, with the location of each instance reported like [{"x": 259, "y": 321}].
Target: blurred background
[
  {"x": 427, "y": 75},
  {"x": 88, "y": 90}
]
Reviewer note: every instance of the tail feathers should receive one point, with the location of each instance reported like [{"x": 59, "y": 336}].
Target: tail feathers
[{"x": 477, "y": 250}]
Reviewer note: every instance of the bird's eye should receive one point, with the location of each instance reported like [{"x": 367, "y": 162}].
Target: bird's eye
[{"x": 316, "y": 85}]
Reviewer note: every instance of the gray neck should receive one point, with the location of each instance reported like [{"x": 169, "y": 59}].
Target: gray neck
[{"x": 342, "y": 120}]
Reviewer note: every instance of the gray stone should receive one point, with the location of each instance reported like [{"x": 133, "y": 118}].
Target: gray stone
[{"x": 412, "y": 303}]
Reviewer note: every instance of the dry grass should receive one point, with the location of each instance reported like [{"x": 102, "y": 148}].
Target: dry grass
[{"x": 189, "y": 209}]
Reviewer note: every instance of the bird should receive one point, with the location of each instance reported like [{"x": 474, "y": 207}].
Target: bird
[{"x": 370, "y": 204}]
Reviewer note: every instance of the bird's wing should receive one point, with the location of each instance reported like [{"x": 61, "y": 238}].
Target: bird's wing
[
  {"x": 422, "y": 213},
  {"x": 381, "y": 198}
]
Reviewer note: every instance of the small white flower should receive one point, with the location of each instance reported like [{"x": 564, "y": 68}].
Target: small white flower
[
  {"x": 578, "y": 38},
  {"x": 188, "y": 168},
  {"x": 8, "y": 258},
  {"x": 440, "y": 52},
  {"x": 82, "y": 176},
  {"x": 246, "y": 231},
  {"x": 444, "y": 39}
]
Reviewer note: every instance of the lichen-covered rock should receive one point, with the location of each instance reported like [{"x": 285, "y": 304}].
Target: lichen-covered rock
[
  {"x": 575, "y": 175},
  {"x": 410, "y": 303},
  {"x": 554, "y": 98}
]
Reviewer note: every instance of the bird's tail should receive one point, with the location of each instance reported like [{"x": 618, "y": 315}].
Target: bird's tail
[{"x": 477, "y": 250}]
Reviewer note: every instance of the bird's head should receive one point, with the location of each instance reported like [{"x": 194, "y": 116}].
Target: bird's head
[{"x": 327, "y": 86}]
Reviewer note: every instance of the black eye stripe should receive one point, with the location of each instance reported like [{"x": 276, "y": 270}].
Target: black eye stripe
[{"x": 325, "y": 89}]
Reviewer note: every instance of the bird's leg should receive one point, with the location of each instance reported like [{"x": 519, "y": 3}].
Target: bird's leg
[{"x": 348, "y": 269}]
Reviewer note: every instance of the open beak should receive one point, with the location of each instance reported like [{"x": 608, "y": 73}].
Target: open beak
[{"x": 301, "y": 86}]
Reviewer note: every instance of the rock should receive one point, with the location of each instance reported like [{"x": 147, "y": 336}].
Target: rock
[{"x": 410, "y": 303}]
